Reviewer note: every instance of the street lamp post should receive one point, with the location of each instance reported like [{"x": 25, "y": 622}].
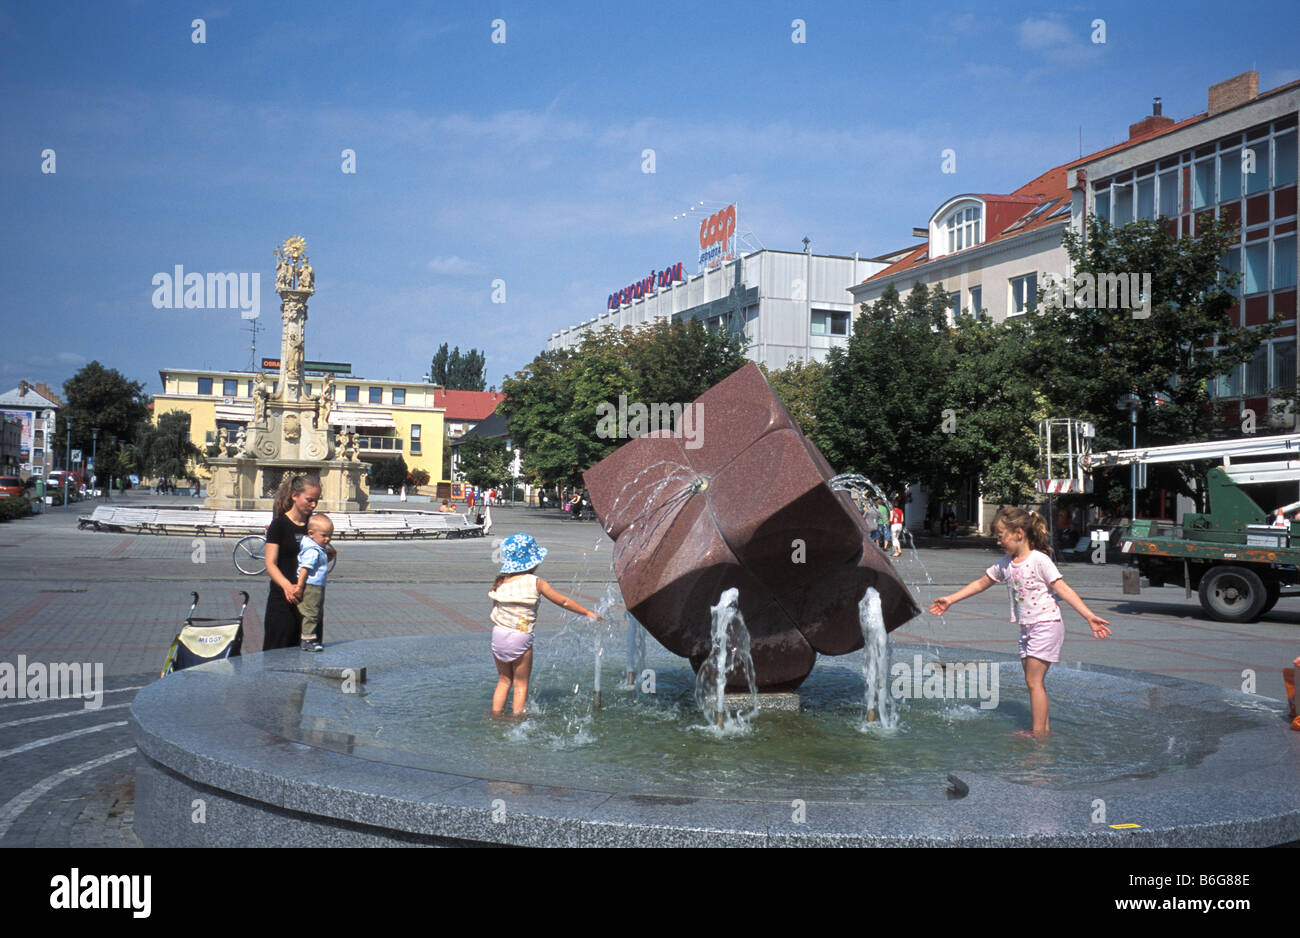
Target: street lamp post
[
  {"x": 67, "y": 462},
  {"x": 94, "y": 446}
]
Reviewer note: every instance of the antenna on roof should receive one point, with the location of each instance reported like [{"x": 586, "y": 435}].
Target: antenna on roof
[
  {"x": 252, "y": 362},
  {"x": 1081, "y": 141}
]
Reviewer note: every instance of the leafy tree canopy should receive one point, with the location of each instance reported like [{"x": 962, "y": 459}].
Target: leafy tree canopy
[{"x": 458, "y": 372}]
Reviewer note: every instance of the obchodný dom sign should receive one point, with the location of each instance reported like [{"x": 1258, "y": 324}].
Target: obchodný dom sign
[{"x": 647, "y": 285}]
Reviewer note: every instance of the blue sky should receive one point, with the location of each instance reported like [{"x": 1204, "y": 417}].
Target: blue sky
[{"x": 522, "y": 161}]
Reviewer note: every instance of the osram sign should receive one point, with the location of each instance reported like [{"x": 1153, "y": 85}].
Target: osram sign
[
  {"x": 647, "y": 285},
  {"x": 718, "y": 237}
]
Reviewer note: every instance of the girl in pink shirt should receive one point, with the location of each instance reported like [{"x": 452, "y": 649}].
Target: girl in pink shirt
[{"x": 1032, "y": 579}]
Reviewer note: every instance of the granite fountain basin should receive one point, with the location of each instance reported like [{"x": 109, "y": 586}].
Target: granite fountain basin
[{"x": 287, "y": 748}]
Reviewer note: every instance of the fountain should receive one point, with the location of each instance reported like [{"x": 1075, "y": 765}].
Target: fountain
[
  {"x": 387, "y": 741},
  {"x": 290, "y": 430}
]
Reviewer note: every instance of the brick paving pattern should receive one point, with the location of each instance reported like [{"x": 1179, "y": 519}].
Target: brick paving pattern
[{"x": 117, "y": 600}]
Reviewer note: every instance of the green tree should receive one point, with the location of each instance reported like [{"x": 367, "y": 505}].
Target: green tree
[
  {"x": 458, "y": 372},
  {"x": 674, "y": 362},
  {"x": 388, "y": 473},
  {"x": 1091, "y": 354},
  {"x": 799, "y": 385},
  {"x": 167, "y": 450},
  {"x": 881, "y": 411},
  {"x": 484, "y": 462},
  {"x": 103, "y": 398},
  {"x": 538, "y": 399}
]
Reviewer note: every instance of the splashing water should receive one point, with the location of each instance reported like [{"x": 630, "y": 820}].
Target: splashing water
[
  {"x": 875, "y": 662},
  {"x": 863, "y": 491},
  {"x": 730, "y": 652}
]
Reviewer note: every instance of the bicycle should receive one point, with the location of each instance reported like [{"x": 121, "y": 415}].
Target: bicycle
[{"x": 249, "y": 555}]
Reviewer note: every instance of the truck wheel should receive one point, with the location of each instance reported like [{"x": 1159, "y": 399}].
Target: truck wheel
[
  {"x": 1232, "y": 594},
  {"x": 1272, "y": 590}
]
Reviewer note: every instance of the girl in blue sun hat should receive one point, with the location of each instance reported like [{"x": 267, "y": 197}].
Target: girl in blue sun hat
[{"x": 515, "y": 596}]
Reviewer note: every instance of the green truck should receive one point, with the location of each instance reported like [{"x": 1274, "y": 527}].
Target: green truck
[{"x": 1239, "y": 557}]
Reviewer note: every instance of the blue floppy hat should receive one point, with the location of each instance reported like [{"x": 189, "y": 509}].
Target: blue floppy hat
[{"x": 520, "y": 552}]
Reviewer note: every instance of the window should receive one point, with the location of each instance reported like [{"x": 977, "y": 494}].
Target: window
[
  {"x": 1169, "y": 193},
  {"x": 1257, "y": 372},
  {"x": 205, "y": 385},
  {"x": 976, "y": 300},
  {"x": 1256, "y": 280},
  {"x": 1203, "y": 183},
  {"x": 415, "y": 439},
  {"x": 1229, "y": 385},
  {"x": 376, "y": 395},
  {"x": 963, "y": 228},
  {"x": 1230, "y": 175},
  {"x": 1284, "y": 262},
  {"x": 1258, "y": 181},
  {"x": 351, "y": 393},
  {"x": 1024, "y": 294},
  {"x": 828, "y": 322},
  {"x": 1284, "y": 364},
  {"x": 1146, "y": 197},
  {"x": 399, "y": 395},
  {"x": 229, "y": 387},
  {"x": 1232, "y": 262},
  {"x": 309, "y": 388},
  {"x": 1123, "y": 204},
  {"x": 250, "y": 387},
  {"x": 954, "y": 306},
  {"x": 1101, "y": 204},
  {"x": 1284, "y": 161}
]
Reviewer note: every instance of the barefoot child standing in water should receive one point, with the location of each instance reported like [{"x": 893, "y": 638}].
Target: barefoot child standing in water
[
  {"x": 1031, "y": 579},
  {"x": 515, "y": 595}
]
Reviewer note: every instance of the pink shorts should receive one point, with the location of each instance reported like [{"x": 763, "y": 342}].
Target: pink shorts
[
  {"x": 1042, "y": 640},
  {"x": 510, "y": 644}
]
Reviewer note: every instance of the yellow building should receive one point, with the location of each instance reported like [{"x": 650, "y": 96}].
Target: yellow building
[{"x": 391, "y": 418}]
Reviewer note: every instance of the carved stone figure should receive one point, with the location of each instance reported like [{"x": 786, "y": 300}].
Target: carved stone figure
[
  {"x": 306, "y": 277},
  {"x": 260, "y": 397},
  {"x": 291, "y": 427},
  {"x": 241, "y": 441},
  {"x": 223, "y": 441},
  {"x": 283, "y": 275}
]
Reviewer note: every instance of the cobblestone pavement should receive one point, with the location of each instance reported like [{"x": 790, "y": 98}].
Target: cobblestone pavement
[{"x": 116, "y": 600}]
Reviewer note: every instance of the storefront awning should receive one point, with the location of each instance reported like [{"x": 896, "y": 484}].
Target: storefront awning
[
  {"x": 359, "y": 418},
  {"x": 235, "y": 413}
]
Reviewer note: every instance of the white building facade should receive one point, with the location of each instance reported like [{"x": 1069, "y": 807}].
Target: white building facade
[{"x": 789, "y": 306}]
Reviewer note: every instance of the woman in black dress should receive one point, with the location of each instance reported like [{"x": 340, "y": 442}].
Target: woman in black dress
[{"x": 295, "y": 500}]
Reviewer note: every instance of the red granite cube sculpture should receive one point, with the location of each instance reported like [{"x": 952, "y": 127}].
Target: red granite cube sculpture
[{"x": 745, "y": 503}]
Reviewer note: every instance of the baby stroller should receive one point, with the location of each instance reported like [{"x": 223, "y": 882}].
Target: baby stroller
[{"x": 203, "y": 640}]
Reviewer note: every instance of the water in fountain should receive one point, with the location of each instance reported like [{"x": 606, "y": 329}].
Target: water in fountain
[
  {"x": 875, "y": 663},
  {"x": 729, "y": 653}
]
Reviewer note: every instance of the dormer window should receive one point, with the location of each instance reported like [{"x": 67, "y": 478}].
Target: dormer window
[
  {"x": 963, "y": 228},
  {"x": 956, "y": 226}
]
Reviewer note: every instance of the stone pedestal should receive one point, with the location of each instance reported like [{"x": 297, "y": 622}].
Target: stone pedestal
[{"x": 248, "y": 484}]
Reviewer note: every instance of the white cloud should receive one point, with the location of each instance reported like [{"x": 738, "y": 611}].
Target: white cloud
[
  {"x": 454, "y": 266},
  {"x": 1045, "y": 35}
]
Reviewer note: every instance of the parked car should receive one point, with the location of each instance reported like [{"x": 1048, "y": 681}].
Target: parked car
[
  {"x": 55, "y": 479},
  {"x": 11, "y": 487}
]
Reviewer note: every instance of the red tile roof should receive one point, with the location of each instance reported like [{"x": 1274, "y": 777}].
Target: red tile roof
[{"x": 467, "y": 405}]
